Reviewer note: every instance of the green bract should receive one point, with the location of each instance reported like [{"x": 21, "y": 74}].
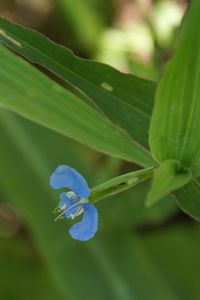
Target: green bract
[{"x": 167, "y": 179}]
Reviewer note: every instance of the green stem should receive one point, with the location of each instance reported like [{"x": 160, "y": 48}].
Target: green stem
[{"x": 120, "y": 184}]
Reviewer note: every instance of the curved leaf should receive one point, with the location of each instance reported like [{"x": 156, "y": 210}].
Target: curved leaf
[
  {"x": 26, "y": 91},
  {"x": 175, "y": 126},
  {"x": 126, "y": 99}
]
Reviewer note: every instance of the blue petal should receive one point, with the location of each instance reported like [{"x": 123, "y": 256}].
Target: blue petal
[
  {"x": 87, "y": 227},
  {"x": 66, "y": 177}
]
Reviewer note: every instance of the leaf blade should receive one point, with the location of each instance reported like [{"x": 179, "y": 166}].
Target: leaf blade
[
  {"x": 28, "y": 92},
  {"x": 188, "y": 199},
  {"x": 124, "y": 98},
  {"x": 175, "y": 121}
]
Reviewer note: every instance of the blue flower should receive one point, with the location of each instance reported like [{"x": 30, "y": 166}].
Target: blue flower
[{"x": 75, "y": 202}]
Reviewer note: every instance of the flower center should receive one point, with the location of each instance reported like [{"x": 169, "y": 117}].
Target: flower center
[{"x": 69, "y": 210}]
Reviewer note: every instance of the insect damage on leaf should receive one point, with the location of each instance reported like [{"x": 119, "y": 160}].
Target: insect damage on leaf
[{"x": 106, "y": 86}]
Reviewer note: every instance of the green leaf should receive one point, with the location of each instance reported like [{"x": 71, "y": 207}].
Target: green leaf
[
  {"x": 120, "y": 184},
  {"x": 125, "y": 99},
  {"x": 167, "y": 178},
  {"x": 134, "y": 97},
  {"x": 175, "y": 126},
  {"x": 26, "y": 91},
  {"x": 68, "y": 261},
  {"x": 188, "y": 198}
]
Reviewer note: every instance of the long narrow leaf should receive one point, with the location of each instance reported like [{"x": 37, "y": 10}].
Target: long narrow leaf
[
  {"x": 28, "y": 92},
  {"x": 175, "y": 126},
  {"x": 126, "y": 99}
]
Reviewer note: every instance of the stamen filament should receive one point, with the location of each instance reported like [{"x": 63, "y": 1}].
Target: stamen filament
[{"x": 65, "y": 210}]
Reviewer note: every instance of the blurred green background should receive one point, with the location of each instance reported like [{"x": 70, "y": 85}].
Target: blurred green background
[{"x": 137, "y": 253}]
